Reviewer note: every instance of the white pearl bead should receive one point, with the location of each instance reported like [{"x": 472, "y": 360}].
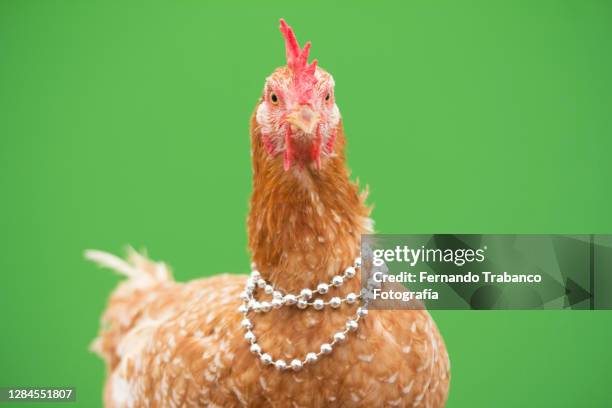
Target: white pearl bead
[
  {"x": 245, "y": 296},
  {"x": 349, "y": 272},
  {"x": 255, "y": 275},
  {"x": 351, "y": 298},
  {"x": 362, "y": 312},
  {"x": 318, "y": 304},
  {"x": 296, "y": 365},
  {"x": 250, "y": 337},
  {"x": 323, "y": 288},
  {"x": 335, "y": 302},
  {"x": 339, "y": 336},
  {"x": 261, "y": 283},
  {"x": 277, "y": 303},
  {"x": 268, "y": 289},
  {"x": 302, "y": 304},
  {"x": 255, "y": 348},
  {"x": 290, "y": 299},
  {"x": 358, "y": 261},
  {"x": 246, "y": 323},
  {"x": 352, "y": 325},
  {"x": 243, "y": 309},
  {"x": 280, "y": 364},
  {"x": 256, "y": 307},
  {"x": 326, "y": 348},
  {"x": 265, "y": 307},
  {"x": 266, "y": 358},
  {"x": 250, "y": 286},
  {"x": 337, "y": 280},
  {"x": 311, "y": 357},
  {"x": 277, "y": 294},
  {"x": 306, "y": 294}
]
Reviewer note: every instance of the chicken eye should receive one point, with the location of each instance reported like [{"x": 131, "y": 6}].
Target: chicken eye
[
  {"x": 327, "y": 97},
  {"x": 274, "y": 98}
]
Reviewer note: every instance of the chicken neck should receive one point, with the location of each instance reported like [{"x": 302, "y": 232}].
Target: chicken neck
[{"x": 304, "y": 224}]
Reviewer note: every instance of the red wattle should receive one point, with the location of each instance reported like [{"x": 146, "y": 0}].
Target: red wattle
[{"x": 288, "y": 150}]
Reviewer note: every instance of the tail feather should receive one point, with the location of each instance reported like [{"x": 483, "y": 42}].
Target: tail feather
[
  {"x": 137, "y": 267},
  {"x": 145, "y": 278}
]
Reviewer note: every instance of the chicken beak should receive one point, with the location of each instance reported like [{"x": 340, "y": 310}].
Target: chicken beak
[{"x": 304, "y": 119}]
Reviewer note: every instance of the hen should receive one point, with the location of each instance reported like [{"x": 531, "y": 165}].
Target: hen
[{"x": 219, "y": 342}]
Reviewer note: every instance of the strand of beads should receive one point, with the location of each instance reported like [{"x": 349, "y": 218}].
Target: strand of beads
[{"x": 302, "y": 301}]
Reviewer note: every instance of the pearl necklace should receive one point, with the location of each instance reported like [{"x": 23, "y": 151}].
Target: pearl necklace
[{"x": 302, "y": 301}]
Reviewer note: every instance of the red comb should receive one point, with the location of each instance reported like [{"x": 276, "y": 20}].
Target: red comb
[{"x": 297, "y": 59}]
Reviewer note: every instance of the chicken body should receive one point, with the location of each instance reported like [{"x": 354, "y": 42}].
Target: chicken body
[{"x": 180, "y": 345}]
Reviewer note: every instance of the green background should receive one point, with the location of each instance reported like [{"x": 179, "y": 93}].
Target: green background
[{"x": 127, "y": 122}]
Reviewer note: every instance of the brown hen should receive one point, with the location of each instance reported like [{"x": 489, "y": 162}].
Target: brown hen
[{"x": 170, "y": 344}]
